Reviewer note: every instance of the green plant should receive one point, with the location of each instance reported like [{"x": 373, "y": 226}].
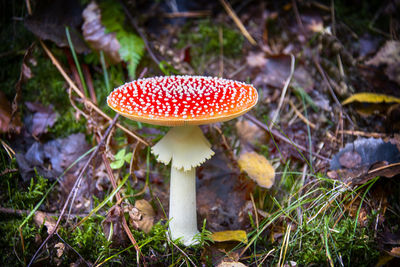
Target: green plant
[
  {"x": 131, "y": 46},
  {"x": 120, "y": 158},
  {"x": 23, "y": 199},
  {"x": 204, "y": 236},
  {"x": 205, "y": 40}
]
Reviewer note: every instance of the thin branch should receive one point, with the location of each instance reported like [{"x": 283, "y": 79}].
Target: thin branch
[
  {"x": 188, "y": 14},
  {"x": 284, "y": 90},
  {"x": 277, "y": 134},
  {"x": 183, "y": 252},
  {"x": 94, "y": 153},
  {"x": 26, "y": 212},
  {"x": 140, "y": 32},
  {"x": 237, "y": 21},
  {"x": 7, "y": 171},
  {"x": 84, "y": 98},
  {"x": 301, "y": 116},
  {"x": 80, "y": 256},
  {"x": 319, "y": 68},
  {"x": 119, "y": 199}
]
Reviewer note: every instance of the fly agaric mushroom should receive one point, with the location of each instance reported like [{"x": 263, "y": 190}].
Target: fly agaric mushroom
[{"x": 183, "y": 102}]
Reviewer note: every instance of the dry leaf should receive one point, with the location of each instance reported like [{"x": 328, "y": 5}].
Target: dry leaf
[
  {"x": 231, "y": 264},
  {"x": 258, "y": 168},
  {"x": 50, "y": 18},
  {"x": 256, "y": 59},
  {"x": 388, "y": 57},
  {"x": 95, "y": 33},
  {"x": 42, "y": 118},
  {"x": 395, "y": 252},
  {"x": 384, "y": 259},
  {"x": 371, "y": 98},
  {"x": 112, "y": 225},
  {"x": 41, "y": 218},
  {"x": 142, "y": 215},
  {"x": 249, "y": 132},
  {"x": 5, "y": 116},
  {"x": 236, "y": 235},
  {"x": 350, "y": 159},
  {"x": 60, "y": 249}
]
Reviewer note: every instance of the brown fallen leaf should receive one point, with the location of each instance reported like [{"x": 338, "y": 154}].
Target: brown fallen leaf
[
  {"x": 249, "y": 133},
  {"x": 95, "y": 34},
  {"x": 232, "y": 235},
  {"x": 41, "y": 218},
  {"x": 395, "y": 252},
  {"x": 6, "y": 124},
  {"x": 141, "y": 216},
  {"x": 350, "y": 159},
  {"x": 258, "y": 168},
  {"x": 231, "y": 264},
  {"x": 256, "y": 59},
  {"x": 50, "y": 18},
  {"x": 112, "y": 226},
  {"x": 363, "y": 174},
  {"x": 388, "y": 57},
  {"x": 60, "y": 249}
]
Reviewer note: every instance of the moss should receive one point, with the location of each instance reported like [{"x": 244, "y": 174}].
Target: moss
[
  {"x": 88, "y": 240},
  {"x": 10, "y": 241},
  {"x": 15, "y": 39},
  {"x": 67, "y": 124},
  {"x": 359, "y": 14},
  {"x": 205, "y": 40},
  {"x": 47, "y": 86},
  {"x": 17, "y": 195}
]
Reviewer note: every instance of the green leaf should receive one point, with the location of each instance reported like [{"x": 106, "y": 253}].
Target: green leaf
[
  {"x": 303, "y": 94},
  {"x": 117, "y": 164},
  {"x": 120, "y": 154},
  {"x": 167, "y": 69},
  {"x": 128, "y": 157},
  {"x": 131, "y": 46}
]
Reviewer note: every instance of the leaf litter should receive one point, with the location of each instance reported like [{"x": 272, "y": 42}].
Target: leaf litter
[{"x": 224, "y": 192}]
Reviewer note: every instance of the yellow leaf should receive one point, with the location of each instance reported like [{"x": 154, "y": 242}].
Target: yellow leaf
[
  {"x": 371, "y": 98},
  {"x": 258, "y": 168},
  {"x": 236, "y": 235}
]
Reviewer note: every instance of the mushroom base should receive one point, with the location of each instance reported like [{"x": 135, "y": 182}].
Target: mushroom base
[{"x": 182, "y": 206}]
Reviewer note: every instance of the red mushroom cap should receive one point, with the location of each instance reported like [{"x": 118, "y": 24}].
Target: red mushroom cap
[{"x": 182, "y": 100}]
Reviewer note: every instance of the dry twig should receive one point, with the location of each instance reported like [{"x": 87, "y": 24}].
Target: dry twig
[
  {"x": 285, "y": 87},
  {"x": 277, "y": 134},
  {"x": 84, "y": 98},
  {"x": 140, "y": 32},
  {"x": 237, "y": 21},
  {"x": 301, "y": 116},
  {"x": 188, "y": 14},
  {"x": 318, "y": 65},
  {"x": 94, "y": 153}
]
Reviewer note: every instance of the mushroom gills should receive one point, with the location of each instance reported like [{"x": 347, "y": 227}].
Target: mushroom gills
[{"x": 186, "y": 146}]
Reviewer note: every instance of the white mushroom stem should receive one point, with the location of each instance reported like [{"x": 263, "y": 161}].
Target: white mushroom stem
[
  {"x": 182, "y": 205},
  {"x": 188, "y": 148}
]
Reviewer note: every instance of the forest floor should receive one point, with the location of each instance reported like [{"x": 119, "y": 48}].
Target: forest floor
[{"x": 309, "y": 176}]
